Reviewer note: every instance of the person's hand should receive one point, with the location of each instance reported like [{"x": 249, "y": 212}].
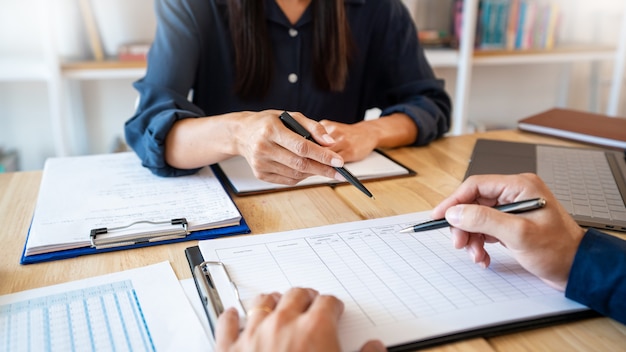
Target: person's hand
[
  {"x": 278, "y": 155},
  {"x": 353, "y": 142},
  {"x": 543, "y": 241},
  {"x": 301, "y": 320}
]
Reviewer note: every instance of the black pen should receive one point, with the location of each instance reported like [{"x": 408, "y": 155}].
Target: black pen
[
  {"x": 513, "y": 208},
  {"x": 293, "y": 125}
]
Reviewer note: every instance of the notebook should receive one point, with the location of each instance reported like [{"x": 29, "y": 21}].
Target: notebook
[
  {"x": 589, "y": 182},
  {"x": 238, "y": 175}
]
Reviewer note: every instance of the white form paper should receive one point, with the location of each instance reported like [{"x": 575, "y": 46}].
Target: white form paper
[
  {"x": 142, "y": 309},
  {"x": 242, "y": 178},
  {"x": 81, "y": 193},
  {"x": 399, "y": 288},
  {"x": 189, "y": 286}
]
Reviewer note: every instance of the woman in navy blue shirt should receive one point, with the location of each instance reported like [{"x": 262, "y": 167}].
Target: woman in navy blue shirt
[{"x": 219, "y": 74}]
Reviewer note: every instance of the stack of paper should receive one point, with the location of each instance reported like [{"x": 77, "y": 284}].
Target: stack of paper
[{"x": 142, "y": 309}]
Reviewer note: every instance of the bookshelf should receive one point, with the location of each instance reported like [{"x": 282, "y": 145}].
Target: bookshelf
[{"x": 467, "y": 56}]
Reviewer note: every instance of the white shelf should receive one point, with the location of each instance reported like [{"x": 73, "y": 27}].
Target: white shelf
[
  {"x": 544, "y": 57},
  {"x": 442, "y": 57},
  {"x": 450, "y": 57},
  {"x": 95, "y": 70}
]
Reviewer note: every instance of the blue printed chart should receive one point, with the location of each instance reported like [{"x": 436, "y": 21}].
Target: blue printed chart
[{"x": 106, "y": 317}]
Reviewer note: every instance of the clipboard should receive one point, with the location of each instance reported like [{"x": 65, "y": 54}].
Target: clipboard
[
  {"x": 101, "y": 203},
  {"x": 237, "y": 175},
  {"x": 213, "y": 298},
  {"x": 140, "y": 241}
]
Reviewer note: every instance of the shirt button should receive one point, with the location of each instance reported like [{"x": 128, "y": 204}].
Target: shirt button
[
  {"x": 293, "y": 78},
  {"x": 293, "y": 32}
]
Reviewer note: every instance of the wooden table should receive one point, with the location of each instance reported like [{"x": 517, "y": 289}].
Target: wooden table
[{"x": 440, "y": 167}]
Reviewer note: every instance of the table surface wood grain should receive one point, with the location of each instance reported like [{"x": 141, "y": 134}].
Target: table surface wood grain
[{"x": 440, "y": 168}]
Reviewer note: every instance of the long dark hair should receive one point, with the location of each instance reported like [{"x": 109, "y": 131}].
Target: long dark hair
[{"x": 332, "y": 46}]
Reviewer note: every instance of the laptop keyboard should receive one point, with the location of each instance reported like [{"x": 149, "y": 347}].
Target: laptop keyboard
[{"x": 582, "y": 181}]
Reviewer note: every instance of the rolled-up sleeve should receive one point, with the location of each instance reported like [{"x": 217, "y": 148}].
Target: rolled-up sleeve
[{"x": 172, "y": 65}]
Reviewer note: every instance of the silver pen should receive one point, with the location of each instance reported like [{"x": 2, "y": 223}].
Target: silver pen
[{"x": 513, "y": 208}]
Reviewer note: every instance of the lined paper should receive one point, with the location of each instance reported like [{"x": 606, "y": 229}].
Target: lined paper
[
  {"x": 396, "y": 287},
  {"x": 81, "y": 193}
]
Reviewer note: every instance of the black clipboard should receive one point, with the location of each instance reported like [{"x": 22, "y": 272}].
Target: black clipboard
[
  {"x": 211, "y": 302},
  {"x": 209, "y": 295},
  {"x": 219, "y": 172}
]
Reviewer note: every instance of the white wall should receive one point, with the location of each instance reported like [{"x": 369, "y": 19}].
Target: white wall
[
  {"x": 500, "y": 94},
  {"x": 102, "y": 105}
]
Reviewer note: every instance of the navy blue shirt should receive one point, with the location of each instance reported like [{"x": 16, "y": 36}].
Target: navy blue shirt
[
  {"x": 598, "y": 276},
  {"x": 192, "y": 51}
]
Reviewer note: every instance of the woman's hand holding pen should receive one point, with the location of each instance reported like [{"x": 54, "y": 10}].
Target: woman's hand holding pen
[
  {"x": 275, "y": 153},
  {"x": 543, "y": 241},
  {"x": 300, "y": 320},
  {"x": 278, "y": 155}
]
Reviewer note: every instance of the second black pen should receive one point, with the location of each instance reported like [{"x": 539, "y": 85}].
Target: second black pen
[{"x": 514, "y": 208}]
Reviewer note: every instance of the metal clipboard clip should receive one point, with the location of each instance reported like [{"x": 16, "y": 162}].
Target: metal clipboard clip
[
  {"x": 138, "y": 232},
  {"x": 211, "y": 300}
]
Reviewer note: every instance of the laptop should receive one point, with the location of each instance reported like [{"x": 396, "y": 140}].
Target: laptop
[{"x": 590, "y": 183}]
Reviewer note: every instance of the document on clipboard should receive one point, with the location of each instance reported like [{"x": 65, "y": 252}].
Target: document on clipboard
[
  {"x": 238, "y": 175},
  {"x": 409, "y": 290},
  {"x": 95, "y": 203}
]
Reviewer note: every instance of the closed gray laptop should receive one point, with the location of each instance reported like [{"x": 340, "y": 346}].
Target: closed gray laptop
[{"x": 590, "y": 183}]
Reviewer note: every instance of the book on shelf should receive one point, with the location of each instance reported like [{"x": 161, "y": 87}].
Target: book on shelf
[
  {"x": 91, "y": 27},
  {"x": 511, "y": 24},
  {"x": 133, "y": 51},
  {"x": 432, "y": 20},
  {"x": 8, "y": 160}
]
